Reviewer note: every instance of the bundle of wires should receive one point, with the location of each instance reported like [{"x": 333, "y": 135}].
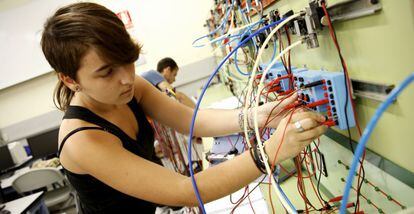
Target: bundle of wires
[
  {"x": 288, "y": 206},
  {"x": 277, "y": 188},
  {"x": 201, "y": 205},
  {"x": 260, "y": 88},
  {"x": 221, "y": 26},
  {"x": 235, "y": 55}
]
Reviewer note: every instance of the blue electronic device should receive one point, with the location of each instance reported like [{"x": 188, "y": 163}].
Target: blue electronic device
[
  {"x": 312, "y": 94},
  {"x": 330, "y": 95},
  {"x": 328, "y": 98},
  {"x": 231, "y": 144},
  {"x": 279, "y": 71},
  {"x": 336, "y": 89}
]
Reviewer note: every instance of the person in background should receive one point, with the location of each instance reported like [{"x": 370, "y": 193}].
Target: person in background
[
  {"x": 164, "y": 77},
  {"x": 105, "y": 140}
]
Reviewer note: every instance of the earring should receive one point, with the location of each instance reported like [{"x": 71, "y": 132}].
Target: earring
[{"x": 77, "y": 88}]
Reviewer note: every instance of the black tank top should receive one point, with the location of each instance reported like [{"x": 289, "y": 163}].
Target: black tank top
[{"x": 94, "y": 195}]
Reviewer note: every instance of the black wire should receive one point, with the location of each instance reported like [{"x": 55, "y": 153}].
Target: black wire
[
  {"x": 305, "y": 197},
  {"x": 347, "y": 121},
  {"x": 320, "y": 173},
  {"x": 261, "y": 181}
]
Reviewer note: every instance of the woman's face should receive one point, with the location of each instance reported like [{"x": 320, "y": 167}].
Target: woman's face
[{"x": 104, "y": 82}]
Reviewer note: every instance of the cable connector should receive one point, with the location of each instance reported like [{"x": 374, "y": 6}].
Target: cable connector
[
  {"x": 294, "y": 105},
  {"x": 317, "y": 103},
  {"x": 329, "y": 123},
  {"x": 336, "y": 199},
  {"x": 313, "y": 84}
]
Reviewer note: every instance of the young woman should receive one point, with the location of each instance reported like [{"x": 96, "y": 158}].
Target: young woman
[{"x": 106, "y": 143}]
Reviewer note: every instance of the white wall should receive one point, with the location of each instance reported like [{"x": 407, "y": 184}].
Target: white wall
[
  {"x": 21, "y": 26},
  {"x": 165, "y": 28}
]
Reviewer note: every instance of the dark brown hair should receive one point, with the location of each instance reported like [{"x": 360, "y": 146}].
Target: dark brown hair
[
  {"x": 166, "y": 62},
  {"x": 76, "y": 28}
]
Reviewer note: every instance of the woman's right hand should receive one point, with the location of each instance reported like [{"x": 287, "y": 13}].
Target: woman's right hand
[{"x": 294, "y": 140}]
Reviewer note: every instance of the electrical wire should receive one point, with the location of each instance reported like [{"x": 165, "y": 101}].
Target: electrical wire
[
  {"x": 261, "y": 50},
  {"x": 236, "y": 36},
  {"x": 284, "y": 201},
  {"x": 367, "y": 133},
  {"x": 196, "y": 191},
  {"x": 235, "y": 54},
  {"x": 348, "y": 95},
  {"x": 271, "y": 59},
  {"x": 223, "y": 36},
  {"x": 222, "y": 24},
  {"x": 256, "y": 65}
]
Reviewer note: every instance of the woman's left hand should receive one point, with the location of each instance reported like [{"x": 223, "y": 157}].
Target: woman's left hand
[{"x": 270, "y": 114}]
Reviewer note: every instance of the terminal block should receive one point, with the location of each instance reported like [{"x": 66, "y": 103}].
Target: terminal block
[{"x": 327, "y": 95}]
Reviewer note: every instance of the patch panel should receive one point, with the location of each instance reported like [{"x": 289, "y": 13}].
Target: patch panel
[
  {"x": 312, "y": 94},
  {"x": 337, "y": 91},
  {"x": 278, "y": 72},
  {"x": 328, "y": 97}
]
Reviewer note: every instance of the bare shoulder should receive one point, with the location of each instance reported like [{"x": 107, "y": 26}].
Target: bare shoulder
[
  {"x": 101, "y": 155},
  {"x": 81, "y": 146}
]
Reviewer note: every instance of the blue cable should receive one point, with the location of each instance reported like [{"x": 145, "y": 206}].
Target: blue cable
[
  {"x": 367, "y": 133},
  {"x": 247, "y": 21},
  {"x": 248, "y": 30},
  {"x": 247, "y": 74},
  {"x": 222, "y": 25},
  {"x": 235, "y": 36},
  {"x": 238, "y": 36},
  {"x": 197, "y": 193}
]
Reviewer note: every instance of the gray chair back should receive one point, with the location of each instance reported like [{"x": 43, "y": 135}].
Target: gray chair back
[{"x": 37, "y": 178}]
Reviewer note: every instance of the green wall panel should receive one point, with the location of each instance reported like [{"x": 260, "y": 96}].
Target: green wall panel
[{"x": 377, "y": 48}]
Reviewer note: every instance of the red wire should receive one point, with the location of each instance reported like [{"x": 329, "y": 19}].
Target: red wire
[
  {"x": 314, "y": 189},
  {"x": 250, "y": 203},
  {"x": 385, "y": 194},
  {"x": 348, "y": 88},
  {"x": 301, "y": 188},
  {"x": 244, "y": 193},
  {"x": 281, "y": 141}
]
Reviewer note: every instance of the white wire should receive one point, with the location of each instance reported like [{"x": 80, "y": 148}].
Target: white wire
[
  {"x": 256, "y": 64},
  {"x": 256, "y": 128},
  {"x": 245, "y": 110}
]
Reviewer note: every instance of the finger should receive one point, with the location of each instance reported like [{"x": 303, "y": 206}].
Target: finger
[
  {"x": 289, "y": 99},
  {"x": 306, "y": 124},
  {"x": 282, "y": 104},
  {"x": 283, "y": 97},
  {"x": 304, "y": 143},
  {"x": 307, "y": 114},
  {"x": 312, "y": 133},
  {"x": 299, "y": 110}
]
